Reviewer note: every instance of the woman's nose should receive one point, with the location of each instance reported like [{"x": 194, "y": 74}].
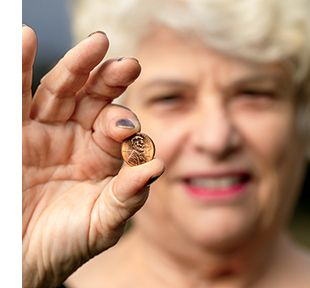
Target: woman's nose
[{"x": 213, "y": 131}]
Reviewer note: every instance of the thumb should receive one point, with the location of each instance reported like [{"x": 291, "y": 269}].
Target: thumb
[
  {"x": 132, "y": 180},
  {"x": 124, "y": 195}
]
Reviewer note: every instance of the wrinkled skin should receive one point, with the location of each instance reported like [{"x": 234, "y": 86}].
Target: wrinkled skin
[{"x": 76, "y": 195}]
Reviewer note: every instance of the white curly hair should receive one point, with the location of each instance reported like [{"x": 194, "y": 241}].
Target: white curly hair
[{"x": 259, "y": 30}]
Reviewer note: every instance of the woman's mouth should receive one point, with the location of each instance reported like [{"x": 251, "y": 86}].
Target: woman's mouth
[{"x": 217, "y": 187}]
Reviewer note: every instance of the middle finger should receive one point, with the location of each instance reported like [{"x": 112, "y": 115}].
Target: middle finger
[{"x": 105, "y": 83}]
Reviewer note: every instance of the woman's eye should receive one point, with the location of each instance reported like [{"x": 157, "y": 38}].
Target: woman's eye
[
  {"x": 251, "y": 93},
  {"x": 168, "y": 99},
  {"x": 256, "y": 98},
  {"x": 173, "y": 102}
]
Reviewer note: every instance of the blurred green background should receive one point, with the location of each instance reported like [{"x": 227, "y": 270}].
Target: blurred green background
[{"x": 300, "y": 224}]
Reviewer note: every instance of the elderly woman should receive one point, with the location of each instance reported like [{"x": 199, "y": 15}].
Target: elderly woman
[{"x": 224, "y": 93}]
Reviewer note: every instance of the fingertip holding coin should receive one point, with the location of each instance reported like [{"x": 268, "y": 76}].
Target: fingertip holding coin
[{"x": 138, "y": 149}]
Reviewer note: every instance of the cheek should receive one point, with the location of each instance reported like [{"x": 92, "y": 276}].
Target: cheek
[
  {"x": 168, "y": 136},
  {"x": 266, "y": 136},
  {"x": 270, "y": 142}
]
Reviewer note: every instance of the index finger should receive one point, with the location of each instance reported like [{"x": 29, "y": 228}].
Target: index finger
[
  {"x": 29, "y": 47},
  {"x": 54, "y": 99}
]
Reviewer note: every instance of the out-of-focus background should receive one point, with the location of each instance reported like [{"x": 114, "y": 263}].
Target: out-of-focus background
[{"x": 51, "y": 21}]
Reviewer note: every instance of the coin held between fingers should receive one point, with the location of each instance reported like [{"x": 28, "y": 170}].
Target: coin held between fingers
[{"x": 138, "y": 149}]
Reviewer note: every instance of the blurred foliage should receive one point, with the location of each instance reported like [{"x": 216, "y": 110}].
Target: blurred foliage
[{"x": 300, "y": 224}]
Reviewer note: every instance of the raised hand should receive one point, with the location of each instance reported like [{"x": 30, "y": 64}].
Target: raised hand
[{"x": 76, "y": 194}]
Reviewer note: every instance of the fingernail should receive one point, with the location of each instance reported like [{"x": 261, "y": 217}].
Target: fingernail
[
  {"x": 125, "y": 123},
  {"x": 96, "y": 33},
  {"x": 152, "y": 179},
  {"x": 125, "y": 58},
  {"x": 24, "y": 25}
]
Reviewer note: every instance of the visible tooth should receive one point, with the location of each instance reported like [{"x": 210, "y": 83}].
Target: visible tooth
[
  {"x": 227, "y": 181},
  {"x": 212, "y": 183},
  {"x": 215, "y": 182}
]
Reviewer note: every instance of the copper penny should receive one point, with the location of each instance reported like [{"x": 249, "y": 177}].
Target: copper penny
[{"x": 138, "y": 149}]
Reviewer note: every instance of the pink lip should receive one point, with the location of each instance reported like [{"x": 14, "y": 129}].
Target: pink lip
[
  {"x": 229, "y": 192},
  {"x": 216, "y": 194}
]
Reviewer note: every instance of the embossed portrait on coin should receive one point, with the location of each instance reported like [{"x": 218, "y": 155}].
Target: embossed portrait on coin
[{"x": 138, "y": 150}]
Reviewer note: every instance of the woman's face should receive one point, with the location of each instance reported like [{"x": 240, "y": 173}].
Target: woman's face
[{"x": 226, "y": 131}]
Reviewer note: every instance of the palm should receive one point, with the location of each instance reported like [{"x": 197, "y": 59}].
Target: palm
[
  {"x": 75, "y": 197},
  {"x": 60, "y": 183},
  {"x": 63, "y": 152}
]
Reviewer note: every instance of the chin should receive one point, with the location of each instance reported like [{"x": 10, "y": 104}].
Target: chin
[{"x": 223, "y": 229}]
